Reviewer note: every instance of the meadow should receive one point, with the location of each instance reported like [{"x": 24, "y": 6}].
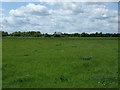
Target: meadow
[{"x": 84, "y": 62}]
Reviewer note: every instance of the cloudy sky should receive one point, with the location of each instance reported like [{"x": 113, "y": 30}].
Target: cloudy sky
[{"x": 66, "y": 17}]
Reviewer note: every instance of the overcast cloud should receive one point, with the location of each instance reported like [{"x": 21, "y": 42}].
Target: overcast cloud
[{"x": 68, "y": 17}]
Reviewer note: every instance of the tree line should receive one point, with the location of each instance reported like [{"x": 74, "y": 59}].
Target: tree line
[{"x": 58, "y": 34}]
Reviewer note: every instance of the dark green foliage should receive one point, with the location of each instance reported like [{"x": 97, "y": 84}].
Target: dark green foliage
[
  {"x": 58, "y": 34},
  {"x": 106, "y": 83},
  {"x": 58, "y": 44},
  {"x": 22, "y": 79},
  {"x": 61, "y": 79},
  {"x": 26, "y": 55},
  {"x": 27, "y": 34},
  {"x": 47, "y": 35},
  {"x": 76, "y": 35},
  {"x": 4, "y": 33},
  {"x": 87, "y": 58},
  {"x": 84, "y": 34}
]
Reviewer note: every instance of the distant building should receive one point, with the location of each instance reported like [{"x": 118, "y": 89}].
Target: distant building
[{"x": 57, "y": 32}]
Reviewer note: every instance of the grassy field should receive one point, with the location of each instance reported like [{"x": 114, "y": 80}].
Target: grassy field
[{"x": 60, "y": 62}]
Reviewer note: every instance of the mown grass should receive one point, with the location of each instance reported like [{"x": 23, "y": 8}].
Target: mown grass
[{"x": 60, "y": 62}]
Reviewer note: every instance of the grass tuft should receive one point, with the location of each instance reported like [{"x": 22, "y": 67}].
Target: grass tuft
[
  {"x": 87, "y": 58},
  {"x": 26, "y": 55},
  {"x": 61, "y": 79}
]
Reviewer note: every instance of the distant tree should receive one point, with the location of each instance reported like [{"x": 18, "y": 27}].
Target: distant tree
[
  {"x": 100, "y": 34},
  {"x": 66, "y": 35},
  {"x": 16, "y": 34},
  {"x": 27, "y": 34},
  {"x": 4, "y": 33},
  {"x": 84, "y": 34},
  {"x": 76, "y": 35},
  {"x": 57, "y": 35},
  {"x": 37, "y": 34},
  {"x": 47, "y": 35}
]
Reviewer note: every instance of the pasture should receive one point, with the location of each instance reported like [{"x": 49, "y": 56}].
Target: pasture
[{"x": 60, "y": 62}]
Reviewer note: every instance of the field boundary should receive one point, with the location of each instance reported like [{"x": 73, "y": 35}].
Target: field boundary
[
  {"x": 82, "y": 80},
  {"x": 60, "y": 38}
]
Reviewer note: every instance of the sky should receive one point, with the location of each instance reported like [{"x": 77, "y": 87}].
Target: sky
[{"x": 66, "y": 17}]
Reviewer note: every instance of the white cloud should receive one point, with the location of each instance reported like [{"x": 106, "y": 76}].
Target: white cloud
[
  {"x": 30, "y": 9},
  {"x": 1, "y": 15},
  {"x": 79, "y": 0},
  {"x": 59, "y": 0},
  {"x": 1, "y": 9},
  {"x": 69, "y": 17}
]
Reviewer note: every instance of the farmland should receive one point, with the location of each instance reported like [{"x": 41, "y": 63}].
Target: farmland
[{"x": 84, "y": 62}]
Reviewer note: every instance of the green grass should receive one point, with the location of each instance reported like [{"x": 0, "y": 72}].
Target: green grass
[
  {"x": 60, "y": 62},
  {"x": 0, "y": 62}
]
